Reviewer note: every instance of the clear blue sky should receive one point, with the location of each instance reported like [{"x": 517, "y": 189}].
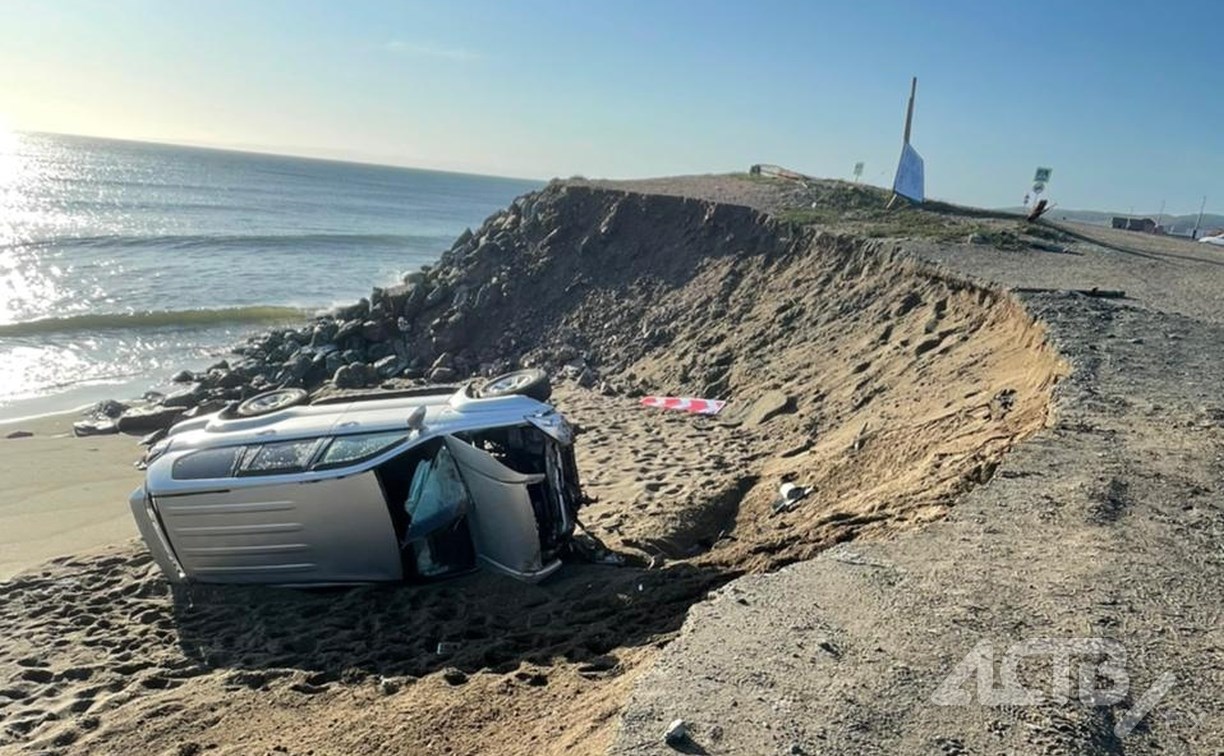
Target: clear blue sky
[{"x": 1122, "y": 99}]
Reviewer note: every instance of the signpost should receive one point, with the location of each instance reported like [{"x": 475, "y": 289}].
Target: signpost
[
  {"x": 910, "y": 179},
  {"x": 858, "y": 171}
]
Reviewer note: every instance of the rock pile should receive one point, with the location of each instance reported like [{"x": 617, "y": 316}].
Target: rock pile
[{"x": 561, "y": 279}]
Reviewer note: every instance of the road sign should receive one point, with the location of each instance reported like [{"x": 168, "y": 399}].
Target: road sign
[
  {"x": 910, "y": 175},
  {"x": 1042, "y": 176},
  {"x": 858, "y": 169},
  {"x": 1038, "y": 187}
]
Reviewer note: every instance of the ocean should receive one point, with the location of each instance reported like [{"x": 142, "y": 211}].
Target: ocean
[{"x": 123, "y": 262}]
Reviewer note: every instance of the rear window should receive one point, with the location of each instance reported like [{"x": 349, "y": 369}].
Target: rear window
[
  {"x": 347, "y": 450},
  {"x": 284, "y": 457},
  {"x": 209, "y": 463}
]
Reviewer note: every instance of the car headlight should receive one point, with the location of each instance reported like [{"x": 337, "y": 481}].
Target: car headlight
[{"x": 554, "y": 424}]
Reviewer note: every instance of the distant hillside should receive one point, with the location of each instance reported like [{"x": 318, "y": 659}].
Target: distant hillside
[{"x": 1175, "y": 223}]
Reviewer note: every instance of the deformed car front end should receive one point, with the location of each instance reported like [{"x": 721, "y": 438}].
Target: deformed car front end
[{"x": 356, "y": 490}]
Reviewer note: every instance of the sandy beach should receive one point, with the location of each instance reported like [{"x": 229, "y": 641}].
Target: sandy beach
[{"x": 61, "y": 494}]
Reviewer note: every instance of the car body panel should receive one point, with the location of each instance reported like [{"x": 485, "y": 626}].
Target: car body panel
[{"x": 334, "y": 530}]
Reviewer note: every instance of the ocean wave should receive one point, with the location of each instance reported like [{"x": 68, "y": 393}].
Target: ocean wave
[
  {"x": 203, "y": 318},
  {"x": 236, "y": 241}
]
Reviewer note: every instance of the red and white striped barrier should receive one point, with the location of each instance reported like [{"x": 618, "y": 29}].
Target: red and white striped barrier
[{"x": 685, "y": 404}]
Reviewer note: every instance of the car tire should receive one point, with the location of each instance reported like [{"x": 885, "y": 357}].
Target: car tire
[
  {"x": 533, "y": 383},
  {"x": 270, "y": 401}
]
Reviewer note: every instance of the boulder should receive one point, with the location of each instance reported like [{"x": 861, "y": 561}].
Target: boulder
[
  {"x": 333, "y": 362},
  {"x": 415, "y": 300},
  {"x": 374, "y": 330},
  {"x": 349, "y": 376},
  {"x": 437, "y": 296},
  {"x": 324, "y": 333},
  {"x": 142, "y": 420},
  {"x": 357, "y": 311},
  {"x": 389, "y": 366},
  {"x": 94, "y": 428},
  {"x": 298, "y": 367},
  {"x": 347, "y": 329},
  {"x": 186, "y": 397},
  {"x": 108, "y": 408},
  {"x": 226, "y": 378}
]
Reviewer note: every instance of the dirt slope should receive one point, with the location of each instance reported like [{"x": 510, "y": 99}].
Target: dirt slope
[{"x": 887, "y": 386}]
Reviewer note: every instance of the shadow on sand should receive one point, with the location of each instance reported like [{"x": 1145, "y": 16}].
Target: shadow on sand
[{"x": 478, "y": 622}]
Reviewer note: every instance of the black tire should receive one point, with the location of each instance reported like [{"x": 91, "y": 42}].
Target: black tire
[
  {"x": 270, "y": 401},
  {"x": 533, "y": 383}
]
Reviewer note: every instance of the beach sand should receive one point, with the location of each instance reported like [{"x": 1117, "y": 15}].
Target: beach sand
[{"x": 61, "y": 494}]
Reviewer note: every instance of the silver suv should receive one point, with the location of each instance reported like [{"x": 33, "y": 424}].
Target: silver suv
[{"x": 406, "y": 486}]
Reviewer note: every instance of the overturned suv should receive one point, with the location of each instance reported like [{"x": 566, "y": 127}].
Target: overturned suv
[{"x": 386, "y": 487}]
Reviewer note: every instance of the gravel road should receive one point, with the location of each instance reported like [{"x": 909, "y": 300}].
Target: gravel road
[{"x": 1107, "y": 525}]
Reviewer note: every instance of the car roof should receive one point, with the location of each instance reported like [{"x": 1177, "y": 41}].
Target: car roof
[{"x": 447, "y": 413}]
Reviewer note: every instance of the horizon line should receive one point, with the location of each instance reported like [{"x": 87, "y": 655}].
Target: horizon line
[{"x": 262, "y": 151}]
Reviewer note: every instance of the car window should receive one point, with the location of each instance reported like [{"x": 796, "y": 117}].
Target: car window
[
  {"x": 287, "y": 456},
  {"x": 346, "y": 450},
  {"x": 208, "y": 463}
]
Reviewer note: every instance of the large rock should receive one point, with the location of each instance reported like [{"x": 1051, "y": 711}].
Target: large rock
[
  {"x": 184, "y": 398},
  {"x": 94, "y": 428},
  {"x": 357, "y": 311},
  {"x": 415, "y": 300},
  {"x": 141, "y": 420},
  {"x": 374, "y": 330},
  {"x": 109, "y": 408},
  {"x": 389, "y": 366},
  {"x": 348, "y": 329}
]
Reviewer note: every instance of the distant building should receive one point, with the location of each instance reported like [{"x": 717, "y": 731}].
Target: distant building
[{"x": 1119, "y": 223}]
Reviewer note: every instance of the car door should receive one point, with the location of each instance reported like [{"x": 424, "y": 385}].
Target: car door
[
  {"x": 335, "y": 530},
  {"x": 503, "y": 523}
]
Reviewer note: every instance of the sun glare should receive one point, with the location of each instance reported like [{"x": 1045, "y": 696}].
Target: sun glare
[{"x": 8, "y": 154}]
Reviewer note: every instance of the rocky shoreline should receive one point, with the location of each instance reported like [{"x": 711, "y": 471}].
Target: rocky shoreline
[{"x": 494, "y": 302}]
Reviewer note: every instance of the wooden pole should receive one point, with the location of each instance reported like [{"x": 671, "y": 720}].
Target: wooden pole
[{"x": 909, "y": 112}]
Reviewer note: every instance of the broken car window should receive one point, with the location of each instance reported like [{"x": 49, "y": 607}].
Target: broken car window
[{"x": 346, "y": 450}]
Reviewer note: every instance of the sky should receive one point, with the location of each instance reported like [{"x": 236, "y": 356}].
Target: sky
[{"x": 1121, "y": 99}]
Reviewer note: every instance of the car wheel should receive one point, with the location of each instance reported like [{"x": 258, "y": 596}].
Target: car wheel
[
  {"x": 270, "y": 401},
  {"x": 533, "y": 383}
]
